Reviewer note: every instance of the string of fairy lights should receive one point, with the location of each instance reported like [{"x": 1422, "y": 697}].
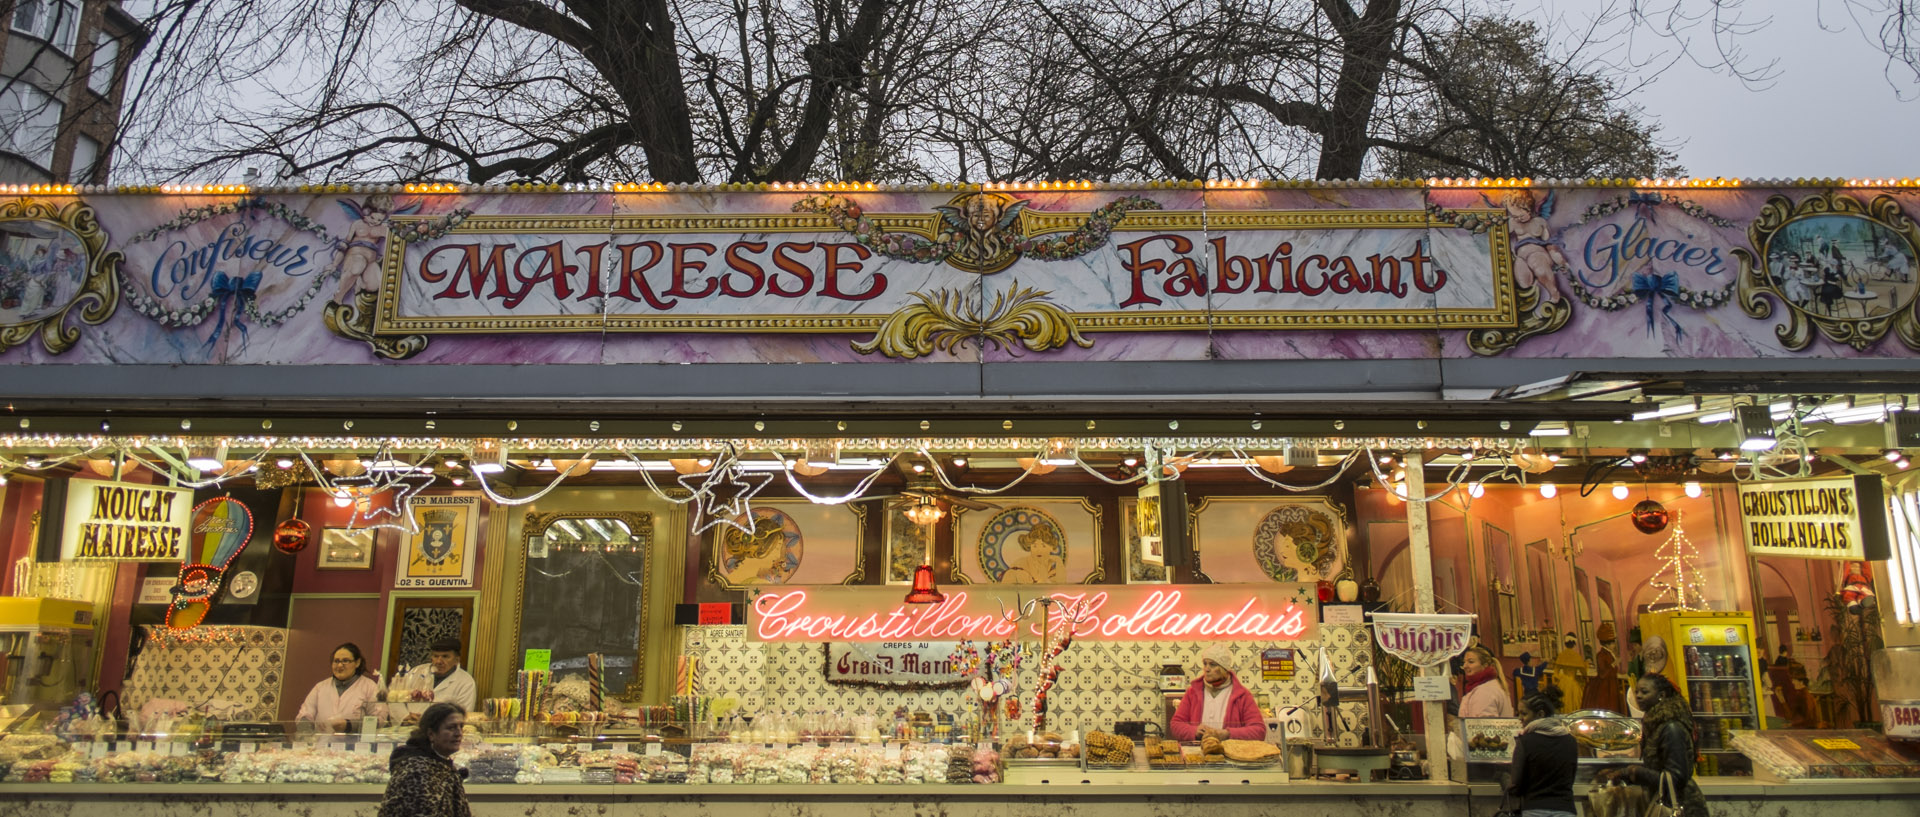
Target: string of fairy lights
[{"x": 717, "y": 482}]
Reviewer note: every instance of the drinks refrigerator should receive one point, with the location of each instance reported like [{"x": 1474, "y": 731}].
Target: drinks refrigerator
[
  {"x": 1711, "y": 658},
  {"x": 47, "y": 645}
]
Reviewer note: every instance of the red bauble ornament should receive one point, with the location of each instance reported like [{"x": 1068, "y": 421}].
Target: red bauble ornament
[
  {"x": 291, "y": 536},
  {"x": 1325, "y": 589},
  {"x": 1650, "y": 516}
]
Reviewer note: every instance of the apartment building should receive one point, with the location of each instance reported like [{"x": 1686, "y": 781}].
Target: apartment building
[{"x": 63, "y": 70}]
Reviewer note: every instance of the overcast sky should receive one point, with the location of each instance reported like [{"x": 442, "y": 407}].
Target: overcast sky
[{"x": 1830, "y": 112}]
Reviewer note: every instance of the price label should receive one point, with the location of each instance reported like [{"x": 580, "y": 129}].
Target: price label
[
  {"x": 148, "y": 746},
  {"x": 653, "y": 750},
  {"x": 1431, "y": 688},
  {"x": 1342, "y": 614},
  {"x": 891, "y": 751},
  {"x": 1835, "y": 743},
  {"x": 177, "y": 749},
  {"x": 99, "y": 750},
  {"x": 249, "y": 748},
  {"x": 382, "y": 748}
]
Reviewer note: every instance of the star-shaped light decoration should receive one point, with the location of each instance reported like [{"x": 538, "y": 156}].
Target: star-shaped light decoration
[
  {"x": 403, "y": 482},
  {"x": 723, "y": 494}
]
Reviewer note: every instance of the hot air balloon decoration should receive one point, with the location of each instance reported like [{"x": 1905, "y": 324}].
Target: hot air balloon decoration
[{"x": 220, "y": 529}]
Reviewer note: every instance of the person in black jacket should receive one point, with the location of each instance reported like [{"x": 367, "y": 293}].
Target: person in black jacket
[
  {"x": 1544, "y": 758},
  {"x": 1666, "y": 747}
]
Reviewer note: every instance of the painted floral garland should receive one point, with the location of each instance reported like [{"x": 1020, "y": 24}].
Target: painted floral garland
[
  {"x": 1618, "y": 203},
  {"x": 1475, "y": 223},
  {"x": 195, "y": 215},
  {"x": 850, "y": 217},
  {"x": 1091, "y": 234},
  {"x": 1695, "y": 298}
]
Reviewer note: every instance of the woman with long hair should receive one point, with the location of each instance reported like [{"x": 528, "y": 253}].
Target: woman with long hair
[
  {"x": 424, "y": 781},
  {"x": 1545, "y": 758},
  {"x": 1482, "y": 695},
  {"x": 1666, "y": 748}
]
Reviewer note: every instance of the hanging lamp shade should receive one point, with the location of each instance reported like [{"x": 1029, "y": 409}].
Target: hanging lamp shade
[{"x": 924, "y": 591}]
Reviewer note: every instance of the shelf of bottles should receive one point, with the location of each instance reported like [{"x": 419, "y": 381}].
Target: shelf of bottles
[{"x": 1720, "y": 690}]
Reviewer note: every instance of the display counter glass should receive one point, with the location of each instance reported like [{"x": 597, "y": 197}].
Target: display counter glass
[
  {"x": 527, "y": 754},
  {"x": 1807, "y": 754}
]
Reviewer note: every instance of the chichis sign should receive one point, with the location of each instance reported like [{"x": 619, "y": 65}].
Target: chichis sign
[
  {"x": 1828, "y": 518},
  {"x": 1219, "y": 612},
  {"x": 1423, "y": 640},
  {"x": 122, "y": 522}
]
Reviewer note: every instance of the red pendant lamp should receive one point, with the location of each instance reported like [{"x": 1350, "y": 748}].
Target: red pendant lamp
[{"x": 924, "y": 591}]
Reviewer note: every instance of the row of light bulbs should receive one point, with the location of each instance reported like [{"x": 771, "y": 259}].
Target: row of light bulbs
[{"x": 1021, "y": 185}]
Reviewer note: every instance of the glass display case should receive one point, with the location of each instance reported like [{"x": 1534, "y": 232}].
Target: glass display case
[
  {"x": 1605, "y": 739},
  {"x": 197, "y": 751}
]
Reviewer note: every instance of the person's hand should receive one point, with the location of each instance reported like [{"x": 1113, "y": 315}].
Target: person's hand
[{"x": 337, "y": 725}]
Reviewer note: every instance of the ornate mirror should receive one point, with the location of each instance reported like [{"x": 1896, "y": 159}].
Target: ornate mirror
[{"x": 584, "y": 591}]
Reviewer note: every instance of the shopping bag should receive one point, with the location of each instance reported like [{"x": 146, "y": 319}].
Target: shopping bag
[
  {"x": 1616, "y": 798},
  {"x": 1667, "y": 804}
]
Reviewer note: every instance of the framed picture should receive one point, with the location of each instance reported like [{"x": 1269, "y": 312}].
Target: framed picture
[
  {"x": 793, "y": 542},
  {"x": 343, "y": 549},
  {"x": 1029, "y": 540},
  {"x": 1271, "y": 539},
  {"x": 441, "y": 551},
  {"x": 1139, "y": 570},
  {"x": 909, "y": 545},
  {"x": 415, "y": 622}
]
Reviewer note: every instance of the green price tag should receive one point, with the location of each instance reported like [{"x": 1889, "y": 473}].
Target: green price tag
[{"x": 539, "y": 660}]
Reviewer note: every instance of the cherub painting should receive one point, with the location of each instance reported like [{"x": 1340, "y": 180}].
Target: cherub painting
[
  {"x": 982, "y": 229},
  {"x": 359, "y": 265},
  {"x": 1535, "y": 255}
]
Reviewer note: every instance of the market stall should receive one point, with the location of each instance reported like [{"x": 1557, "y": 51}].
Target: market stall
[{"x": 660, "y": 569}]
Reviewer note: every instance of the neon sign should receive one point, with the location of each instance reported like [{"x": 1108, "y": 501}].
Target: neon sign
[{"x": 1246, "y": 612}]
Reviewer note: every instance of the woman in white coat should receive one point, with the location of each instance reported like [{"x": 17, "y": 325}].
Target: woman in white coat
[{"x": 347, "y": 695}]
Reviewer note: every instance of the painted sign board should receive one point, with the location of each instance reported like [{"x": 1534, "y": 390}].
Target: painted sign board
[{"x": 958, "y": 273}]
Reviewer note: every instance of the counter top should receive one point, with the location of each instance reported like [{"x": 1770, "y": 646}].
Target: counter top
[
  {"x": 1714, "y": 787},
  {"x": 498, "y": 791}
]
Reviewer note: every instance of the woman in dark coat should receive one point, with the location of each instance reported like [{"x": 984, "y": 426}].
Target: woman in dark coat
[
  {"x": 424, "y": 782},
  {"x": 1545, "y": 758},
  {"x": 1666, "y": 746}
]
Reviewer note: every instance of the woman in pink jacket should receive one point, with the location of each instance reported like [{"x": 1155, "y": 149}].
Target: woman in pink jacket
[{"x": 1216, "y": 704}]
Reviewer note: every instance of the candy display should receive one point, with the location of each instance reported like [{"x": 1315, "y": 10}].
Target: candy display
[{"x": 1794, "y": 754}]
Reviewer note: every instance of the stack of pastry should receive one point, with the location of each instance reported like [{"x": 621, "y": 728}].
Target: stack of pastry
[
  {"x": 1109, "y": 750},
  {"x": 1250, "y": 751}
]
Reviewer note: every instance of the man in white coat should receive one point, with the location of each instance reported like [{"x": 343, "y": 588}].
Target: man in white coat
[{"x": 451, "y": 683}]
